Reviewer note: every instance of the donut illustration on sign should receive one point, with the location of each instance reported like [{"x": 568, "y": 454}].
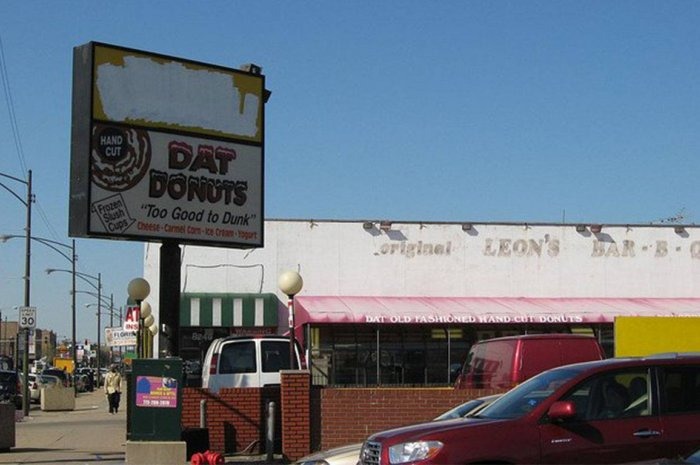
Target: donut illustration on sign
[{"x": 120, "y": 157}]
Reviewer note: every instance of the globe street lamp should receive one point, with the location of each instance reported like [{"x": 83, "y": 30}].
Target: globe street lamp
[
  {"x": 138, "y": 289},
  {"x": 290, "y": 283}
]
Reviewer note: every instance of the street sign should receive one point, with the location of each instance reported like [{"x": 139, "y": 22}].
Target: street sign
[
  {"x": 27, "y": 317},
  {"x": 118, "y": 337},
  {"x": 131, "y": 320}
]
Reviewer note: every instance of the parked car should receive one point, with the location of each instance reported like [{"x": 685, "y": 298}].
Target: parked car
[
  {"x": 607, "y": 411},
  {"x": 80, "y": 382},
  {"x": 10, "y": 388},
  {"x": 36, "y": 382},
  {"x": 245, "y": 361},
  {"x": 89, "y": 378},
  {"x": 58, "y": 373},
  {"x": 350, "y": 454},
  {"x": 468, "y": 408},
  {"x": 49, "y": 381},
  {"x": 6, "y": 363},
  {"x": 692, "y": 459},
  {"x": 34, "y": 389},
  {"x": 505, "y": 362}
]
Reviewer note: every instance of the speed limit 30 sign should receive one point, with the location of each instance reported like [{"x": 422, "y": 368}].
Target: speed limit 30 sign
[{"x": 27, "y": 317}]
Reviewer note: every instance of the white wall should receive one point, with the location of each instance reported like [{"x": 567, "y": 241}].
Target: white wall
[{"x": 490, "y": 260}]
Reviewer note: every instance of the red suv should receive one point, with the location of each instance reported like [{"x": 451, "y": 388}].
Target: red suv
[{"x": 607, "y": 411}]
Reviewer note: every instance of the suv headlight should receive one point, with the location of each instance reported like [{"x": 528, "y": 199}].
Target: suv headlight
[{"x": 413, "y": 451}]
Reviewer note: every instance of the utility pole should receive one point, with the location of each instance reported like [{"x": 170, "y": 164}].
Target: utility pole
[{"x": 27, "y": 285}]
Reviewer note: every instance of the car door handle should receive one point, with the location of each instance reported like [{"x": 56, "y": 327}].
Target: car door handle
[{"x": 646, "y": 433}]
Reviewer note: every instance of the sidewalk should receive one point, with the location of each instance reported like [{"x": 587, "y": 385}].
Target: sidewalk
[
  {"x": 87, "y": 434},
  {"x": 83, "y": 436}
]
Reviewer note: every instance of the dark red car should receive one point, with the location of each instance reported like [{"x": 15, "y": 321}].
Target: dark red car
[{"x": 608, "y": 411}]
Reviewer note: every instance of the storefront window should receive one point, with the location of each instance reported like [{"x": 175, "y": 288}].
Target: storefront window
[
  {"x": 344, "y": 361},
  {"x": 366, "y": 355},
  {"x": 408, "y": 355},
  {"x": 436, "y": 357},
  {"x": 321, "y": 353},
  {"x": 414, "y": 358},
  {"x": 391, "y": 355}
]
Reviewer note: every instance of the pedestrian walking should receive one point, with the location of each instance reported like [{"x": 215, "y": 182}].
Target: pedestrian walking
[{"x": 113, "y": 389}]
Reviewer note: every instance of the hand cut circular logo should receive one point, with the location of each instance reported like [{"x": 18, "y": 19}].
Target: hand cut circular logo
[{"x": 120, "y": 157}]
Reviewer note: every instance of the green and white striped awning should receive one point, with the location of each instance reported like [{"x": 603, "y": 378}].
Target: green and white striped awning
[{"x": 228, "y": 310}]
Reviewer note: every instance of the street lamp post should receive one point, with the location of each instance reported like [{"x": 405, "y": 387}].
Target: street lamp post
[
  {"x": 110, "y": 313},
  {"x": 72, "y": 258},
  {"x": 145, "y": 321},
  {"x": 27, "y": 270},
  {"x": 138, "y": 290},
  {"x": 290, "y": 283},
  {"x": 90, "y": 279}
]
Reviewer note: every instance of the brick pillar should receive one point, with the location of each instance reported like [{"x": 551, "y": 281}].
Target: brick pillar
[{"x": 296, "y": 413}]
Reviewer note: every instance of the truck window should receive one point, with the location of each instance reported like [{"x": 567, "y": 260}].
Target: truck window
[
  {"x": 275, "y": 356},
  {"x": 238, "y": 357}
]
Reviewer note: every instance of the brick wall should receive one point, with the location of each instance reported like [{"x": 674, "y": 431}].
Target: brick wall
[
  {"x": 296, "y": 413},
  {"x": 312, "y": 418},
  {"x": 350, "y": 415},
  {"x": 236, "y": 418}
]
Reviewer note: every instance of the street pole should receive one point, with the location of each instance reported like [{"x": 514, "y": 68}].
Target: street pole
[
  {"x": 121, "y": 323},
  {"x": 27, "y": 284},
  {"x": 99, "y": 310},
  {"x": 290, "y": 282},
  {"x": 111, "y": 324},
  {"x": 74, "y": 349}
]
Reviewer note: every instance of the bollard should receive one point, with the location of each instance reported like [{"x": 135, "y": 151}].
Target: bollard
[
  {"x": 203, "y": 413},
  {"x": 270, "y": 436}
]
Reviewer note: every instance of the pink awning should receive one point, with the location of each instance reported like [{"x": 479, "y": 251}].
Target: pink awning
[{"x": 484, "y": 310}]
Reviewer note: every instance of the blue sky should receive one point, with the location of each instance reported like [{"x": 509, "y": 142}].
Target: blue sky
[{"x": 532, "y": 111}]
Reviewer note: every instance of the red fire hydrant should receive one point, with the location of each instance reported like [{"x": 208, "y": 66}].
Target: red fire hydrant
[{"x": 207, "y": 458}]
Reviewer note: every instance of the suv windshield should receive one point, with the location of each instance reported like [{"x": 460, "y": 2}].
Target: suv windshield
[{"x": 522, "y": 399}]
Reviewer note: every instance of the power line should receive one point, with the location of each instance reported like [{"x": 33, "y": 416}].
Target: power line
[
  {"x": 10, "y": 109},
  {"x": 15, "y": 133}
]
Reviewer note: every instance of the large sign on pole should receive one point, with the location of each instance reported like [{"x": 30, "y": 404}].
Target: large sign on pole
[
  {"x": 166, "y": 149},
  {"x": 118, "y": 337},
  {"x": 132, "y": 318}
]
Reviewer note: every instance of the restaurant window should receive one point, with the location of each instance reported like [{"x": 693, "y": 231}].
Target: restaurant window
[
  {"x": 390, "y": 355},
  {"x": 409, "y": 355},
  {"x": 414, "y": 357},
  {"x": 366, "y": 356},
  {"x": 321, "y": 354},
  {"x": 344, "y": 361},
  {"x": 460, "y": 341}
]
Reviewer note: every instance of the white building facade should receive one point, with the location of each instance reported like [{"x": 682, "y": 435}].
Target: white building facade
[{"x": 400, "y": 302}]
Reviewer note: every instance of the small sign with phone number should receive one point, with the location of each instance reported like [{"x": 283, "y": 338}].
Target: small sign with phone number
[{"x": 156, "y": 392}]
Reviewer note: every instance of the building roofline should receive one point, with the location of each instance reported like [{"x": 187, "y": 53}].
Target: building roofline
[{"x": 488, "y": 223}]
